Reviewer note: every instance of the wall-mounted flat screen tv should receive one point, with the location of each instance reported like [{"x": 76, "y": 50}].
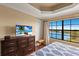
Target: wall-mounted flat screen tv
[{"x": 22, "y": 29}]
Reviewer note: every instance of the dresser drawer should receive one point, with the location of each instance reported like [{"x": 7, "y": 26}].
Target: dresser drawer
[
  {"x": 22, "y": 40},
  {"x": 31, "y": 48},
  {"x": 31, "y": 39},
  {"x": 22, "y": 51},
  {"x": 22, "y": 45},
  {"x": 11, "y": 54},
  {"x": 8, "y": 50},
  {"x": 31, "y": 43},
  {"x": 8, "y": 43}
]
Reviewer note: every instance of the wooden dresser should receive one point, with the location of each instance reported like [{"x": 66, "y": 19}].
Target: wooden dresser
[{"x": 18, "y": 46}]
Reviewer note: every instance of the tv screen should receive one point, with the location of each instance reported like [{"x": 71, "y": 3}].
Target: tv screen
[{"x": 22, "y": 29}]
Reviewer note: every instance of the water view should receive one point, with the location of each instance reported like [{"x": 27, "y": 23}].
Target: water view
[
  {"x": 59, "y": 36},
  {"x": 70, "y": 29}
]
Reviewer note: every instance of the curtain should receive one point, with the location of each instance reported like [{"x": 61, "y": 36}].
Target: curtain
[{"x": 46, "y": 32}]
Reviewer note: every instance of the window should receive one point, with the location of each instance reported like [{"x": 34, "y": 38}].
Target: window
[
  {"x": 52, "y": 29},
  {"x": 75, "y": 30},
  {"x": 55, "y": 29},
  {"x": 59, "y": 29},
  {"x": 67, "y": 29}
]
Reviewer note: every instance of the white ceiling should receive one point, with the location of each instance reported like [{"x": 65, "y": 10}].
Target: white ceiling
[{"x": 29, "y": 9}]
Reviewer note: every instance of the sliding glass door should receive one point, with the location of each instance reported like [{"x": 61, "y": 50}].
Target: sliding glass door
[
  {"x": 55, "y": 30},
  {"x": 52, "y": 29},
  {"x": 66, "y": 29},
  {"x": 59, "y": 30},
  {"x": 75, "y": 30}
]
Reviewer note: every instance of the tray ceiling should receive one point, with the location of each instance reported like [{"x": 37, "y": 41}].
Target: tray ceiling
[{"x": 49, "y": 6}]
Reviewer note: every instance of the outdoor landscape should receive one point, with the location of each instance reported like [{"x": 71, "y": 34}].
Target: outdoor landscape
[{"x": 70, "y": 30}]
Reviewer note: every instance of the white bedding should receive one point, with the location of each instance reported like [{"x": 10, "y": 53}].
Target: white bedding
[{"x": 57, "y": 49}]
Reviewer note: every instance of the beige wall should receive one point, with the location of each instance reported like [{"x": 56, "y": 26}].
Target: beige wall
[
  {"x": 39, "y": 32},
  {"x": 9, "y": 18}
]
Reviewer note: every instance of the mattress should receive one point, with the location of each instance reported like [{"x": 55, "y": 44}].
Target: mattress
[{"x": 57, "y": 49}]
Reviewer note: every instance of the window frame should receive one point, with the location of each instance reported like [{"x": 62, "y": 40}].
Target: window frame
[{"x": 63, "y": 29}]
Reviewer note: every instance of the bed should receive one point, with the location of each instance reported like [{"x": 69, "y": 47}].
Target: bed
[{"x": 57, "y": 49}]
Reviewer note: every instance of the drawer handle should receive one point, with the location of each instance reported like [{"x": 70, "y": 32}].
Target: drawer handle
[
  {"x": 31, "y": 42},
  {"x": 30, "y": 49},
  {"x": 11, "y": 43},
  {"x": 11, "y": 50}
]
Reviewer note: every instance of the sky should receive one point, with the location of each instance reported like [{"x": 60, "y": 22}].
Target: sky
[{"x": 74, "y": 24}]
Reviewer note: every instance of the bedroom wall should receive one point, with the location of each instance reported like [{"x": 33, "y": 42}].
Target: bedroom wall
[
  {"x": 39, "y": 32},
  {"x": 9, "y": 18}
]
